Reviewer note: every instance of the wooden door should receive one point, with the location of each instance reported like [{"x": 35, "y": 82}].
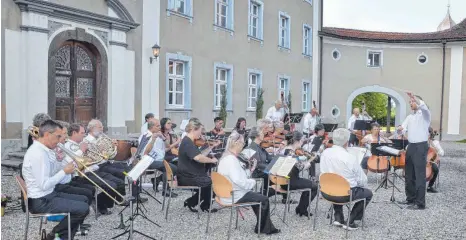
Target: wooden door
[{"x": 75, "y": 83}]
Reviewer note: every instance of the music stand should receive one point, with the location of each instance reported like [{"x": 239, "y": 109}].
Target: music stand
[
  {"x": 329, "y": 127},
  {"x": 132, "y": 176}
]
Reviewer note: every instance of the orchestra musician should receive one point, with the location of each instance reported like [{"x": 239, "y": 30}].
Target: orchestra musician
[
  {"x": 171, "y": 140},
  {"x": 398, "y": 134},
  {"x": 310, "y": 121},
  {"x": 435, "y": 168},
  {"x": 38, "y": 119},
  {"x": 147, "y": 118},
  {"x": 417, "y": 123},
  {"x": 77, "y": 146},
  {"x": 339, "y": 161},
  {"x": 40, "y": 182},
  {"x": 372, "y": 137},
  {"x": 240, "y": 127},
  {"x": 239, "y": 173},
  {"x": 351, "y": 121},
  {"x": 276, "y": 112},
  {"x": 156, "y": 149},
  {"x": 218, "y": 129},
  {"x": 297, "y": 182},
  {"x": 191, "y": 169},
  {"x": 317, "y": 138}
]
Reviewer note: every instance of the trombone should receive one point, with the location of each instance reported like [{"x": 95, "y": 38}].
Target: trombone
[{"x": 81, "y": 162}]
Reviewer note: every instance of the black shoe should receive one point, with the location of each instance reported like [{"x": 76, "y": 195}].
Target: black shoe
[
  {"x": 432, "y": 190},
  {"x": 406, "y": 202},
  {"x": 275, "y": 231},
  {"x": 339, "y": 220},
  {"x": 105, "y": 211},
  {"x": 291, "y": 201},
  {"x": 167, "y": 194},
  {"x": 157, "y": 182},
  {"x": 213, "y": 210},
  {"x": 351, "y": 226},
  {"x": 142, "y": 200},
  {"x": 191, "y": 208},
  {"x": 85, "y": 225},
  {"x": 305, "y": 213},
  {"x": 124, "y": 204},
  {"x": 416, "y": 207}
]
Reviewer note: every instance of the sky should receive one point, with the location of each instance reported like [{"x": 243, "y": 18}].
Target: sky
[{"x": 391, "y": 15}]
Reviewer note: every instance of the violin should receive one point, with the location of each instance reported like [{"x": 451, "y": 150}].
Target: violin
[
  {"x": 302, "y": 152},
  {"x": 202, "y": 141},
  {"x": 267, "y": 142}
]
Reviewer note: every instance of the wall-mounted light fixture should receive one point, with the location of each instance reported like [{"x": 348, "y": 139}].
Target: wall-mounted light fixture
[{"x": 155, "y": 52}]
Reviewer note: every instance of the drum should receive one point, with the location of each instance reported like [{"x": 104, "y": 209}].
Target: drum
[
  {"x": 358, "y": 152},
  {"x": 123, "y": 150}
]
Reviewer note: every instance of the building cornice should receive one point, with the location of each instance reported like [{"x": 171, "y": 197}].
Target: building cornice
[
  {"x": 120, "y": 10},
  {"x": 79, "y": 15}
]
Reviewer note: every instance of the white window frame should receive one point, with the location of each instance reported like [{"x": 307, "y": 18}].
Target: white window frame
[
  {"x": 306, "y": 96},
  {"x": 339, "y": 54},
  {"x": 260, "y": 19},
  {"x": 256, "y": 86},
  {"x": 309, "y": 40},
  {"x": 425, "y": 55},
  {"x": 229, "y": 17},
  {"x": 228, "y": 85},
  {"x": 187, "y": 60},
  {"x": 218, "y": 83},
  {"x": 380, "y": 52},
  {"x": 175, "y": 77},
  {"x": 287, "y": 85},
  {"x": 287, "y": 44},
  {"x": 188, "y": 9}
]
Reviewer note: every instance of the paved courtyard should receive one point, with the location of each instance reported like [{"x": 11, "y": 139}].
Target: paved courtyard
[{"x": 444, "y": 217}]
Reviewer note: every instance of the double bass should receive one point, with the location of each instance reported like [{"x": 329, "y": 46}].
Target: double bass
[{"x": 378, "y": 164}]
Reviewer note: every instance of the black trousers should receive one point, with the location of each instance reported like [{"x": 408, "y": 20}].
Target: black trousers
[
  {"x": 354, "y": 141},
  {"x": 415, "y": 173},
  {"x": 301, "y": 183},
  {"x": 57, "y": 202},
  {"x": 103, "y": 201},
  {"x": 266, "y": 225},
  {"x": 70, "y": 189},
  {"x": 265, "y": 177},
  {"x": 159, "y": 166},
  {"x": 435, "y": 171},
  {"x": 358, "y": 208},
  {"x": 202, "y": 181}
]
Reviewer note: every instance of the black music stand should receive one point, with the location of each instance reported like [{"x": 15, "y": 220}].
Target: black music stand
[
  {"x": 360, "y": 125},
  {"x": 329, "y": 127},
  {"x": 296, "y": 117}
]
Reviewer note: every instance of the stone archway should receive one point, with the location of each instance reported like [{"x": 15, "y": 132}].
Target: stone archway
[
  {"x": 100, "y": 71},
  {"x": 399, "y": 100}
]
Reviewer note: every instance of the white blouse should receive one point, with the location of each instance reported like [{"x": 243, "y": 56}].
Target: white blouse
[{"x": 231, "y": 168}]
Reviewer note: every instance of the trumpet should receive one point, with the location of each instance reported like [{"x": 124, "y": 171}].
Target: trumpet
[
  {"x": 82, "y": 164},
  {"x": 33, "y": 131}
]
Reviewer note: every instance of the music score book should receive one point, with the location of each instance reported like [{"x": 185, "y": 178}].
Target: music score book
[
  {"x": 281, "y": 166},
  {"x": 140, "y": 167}
]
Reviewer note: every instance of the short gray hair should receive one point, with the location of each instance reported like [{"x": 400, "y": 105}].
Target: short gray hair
[
  {"x": 151, "y": 123},
  {"x": 49, "y": 126},
  {"x": 263, "y": 123},
  {"x": 40, "y": 118},
  {"x": 341, "y": 136},
  {"x": 63, "y": 124},
  {"x": 93, "y": 123}
]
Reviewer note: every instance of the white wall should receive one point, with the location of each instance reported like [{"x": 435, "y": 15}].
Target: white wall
[
  {"x": 454, "y": 96},
  {"x": 14, "y": 75}
]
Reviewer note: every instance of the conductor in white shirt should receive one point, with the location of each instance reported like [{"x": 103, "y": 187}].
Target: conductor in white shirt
[
  {"x": 40, "y": 178},
  {"x": 310, "y": 121},
  {"x": 339, "y": 161},
  {"x": 239, "y": 174},
  {"x": 275, "y": 113},
  {"x": 417, "y": 125}
]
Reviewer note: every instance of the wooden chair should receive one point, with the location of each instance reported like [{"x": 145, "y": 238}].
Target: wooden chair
[
  {"x": 22, "y": 185},
  {"x": 223, "y": 188},
  {"x": 277, "y": 182},
  {"x": 336, "y": 186},
  {"x": 171, "y": 181}
]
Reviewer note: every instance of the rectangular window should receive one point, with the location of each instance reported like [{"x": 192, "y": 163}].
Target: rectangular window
[
  {"x": 220, "y": 85},
  {"x": 284, "y": 30},
  {"x": 283, "y": 87},
  {"x": 222, "y": 13},
  {"x": 176, "y": 79},
  {"x": 183, "y": 7},
  {"x": 256, "y": 16},
  {"x": 374, "y": 58},
  {"x": 307, "y": 40},
  {"x": 306, "y": 96},
  {"x": 252, "y": 90}
]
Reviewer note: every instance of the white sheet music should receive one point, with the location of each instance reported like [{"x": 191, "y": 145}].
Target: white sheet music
[
  {"x": 286, "y": 167},
  {"x": 389, "y": 150},
  {"x": 277, "y": 165},
  {"x": 139, "y": 169},
  {"x": 248, "y": 153}
]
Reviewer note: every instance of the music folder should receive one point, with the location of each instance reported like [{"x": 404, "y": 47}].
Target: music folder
[
  {"x": 140, "y": 167},
  {"x": 296, "y": 117},
  {"x": 281, "y": 166},
  {"x": 329, "y": 127},
  {"x": 384, "y": 149},
  {"x": 363, "y": 125},
  {"x": 399, "y": 143}
]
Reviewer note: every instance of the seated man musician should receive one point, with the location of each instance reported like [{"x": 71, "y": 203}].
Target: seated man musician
[
  {"x": 435, "y": 168},
  {"x": 40, "y": 182},
  {"x": 373, "y": 137},
  {"x": 337, "y": 160},
  {"x": 218, "y": 129}
]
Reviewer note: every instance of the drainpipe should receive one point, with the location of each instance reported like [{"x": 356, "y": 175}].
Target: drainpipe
[
  {"x": 443, "y": 89},
  {"x": 321, "y": 48}
]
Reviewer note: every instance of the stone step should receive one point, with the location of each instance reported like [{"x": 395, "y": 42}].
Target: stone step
[
  {"x": 19, "y": 155},
  {"x": 12, "y": 163}
]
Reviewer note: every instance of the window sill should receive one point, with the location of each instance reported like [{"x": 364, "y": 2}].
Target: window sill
[
  {"x": 178, "y": 109},
  {"x": 182, "y": 15},
  {"x": 251, "y": 110},
  {"x": 307, "y": 56},
  {"x": 374, "y": 66},
  {"x": 284, "y": 49},
  {"x": 231, "y": 31},
  {"x": 218, "y": 110},
  {"x": 255, "y": 39}
]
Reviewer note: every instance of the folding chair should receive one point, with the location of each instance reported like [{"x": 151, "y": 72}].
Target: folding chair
[
  {"x": 336, "y": 186},
  {"x": 223, "y": 188},
  {"x": 22, "y": 185}
]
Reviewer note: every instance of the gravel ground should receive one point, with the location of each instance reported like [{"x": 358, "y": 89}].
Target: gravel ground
[{"x": 444, "y": 217}]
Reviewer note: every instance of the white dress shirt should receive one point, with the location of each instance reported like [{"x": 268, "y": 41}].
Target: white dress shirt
[
  {"x": 339, "y": 161},
  {"x": 158, "y": 148},
  {"x": 416, "y": 125},
  {"x": 144, "y": 128},
  {"x": 39, "y": 171},
  {"x": 352, "y": 121},
  {"x": 76, "y": 149},
  {"x": 438, "y": 148},
  {"x": 231, "y": 168},
  {"x": 274, "y": 115},
  {"x": 309, "y": 123}
]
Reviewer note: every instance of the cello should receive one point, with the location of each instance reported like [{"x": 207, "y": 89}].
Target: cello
[{"x": 378, "y": 164}]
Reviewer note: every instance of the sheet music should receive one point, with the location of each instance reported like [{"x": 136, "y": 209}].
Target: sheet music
[
  {"x": 139, "y": 169},
  {"x": 248, "y": 153},
  {"x": 286, "y": 167},
  {"x": 389, "y": 150},
  {"x": 277, "y": 165}
]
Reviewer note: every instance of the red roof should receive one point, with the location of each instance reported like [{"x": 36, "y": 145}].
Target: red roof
[{"x": 456, "y": 33}]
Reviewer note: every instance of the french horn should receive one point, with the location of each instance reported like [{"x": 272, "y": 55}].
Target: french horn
[
  {"x": 33, "y": 131},
  {"x": 100, "y": 150}
]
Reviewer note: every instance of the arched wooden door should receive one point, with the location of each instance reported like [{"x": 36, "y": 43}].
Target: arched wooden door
[{"x": 75, "y": 83}]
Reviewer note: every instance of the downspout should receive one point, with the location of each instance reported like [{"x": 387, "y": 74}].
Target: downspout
[
  {"x": 321, "y": 48},
  {"x": 443, "y": 89}
]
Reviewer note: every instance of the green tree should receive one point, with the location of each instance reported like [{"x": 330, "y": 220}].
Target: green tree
[
  {"x": 289, "y": 101},
  {"x": 223, "y": 106},
  {"x": 376, "y": 104},
  {"x": 259, "y": 103}
]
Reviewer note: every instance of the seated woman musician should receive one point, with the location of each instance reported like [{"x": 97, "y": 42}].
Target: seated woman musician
[
  {"x": 294, "y": 149},
  {"x": 171, "y": 140},
  {"x": 373, "y": 137},
  {"x": 239, "y": 171},
  {"x": 435, "y": 169},
  {"x": 191, "y": 169},
  {"x": 240, "y": 127},
  {"x": 317, "y": 138},
  {"x": 218, "y": 129}
]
